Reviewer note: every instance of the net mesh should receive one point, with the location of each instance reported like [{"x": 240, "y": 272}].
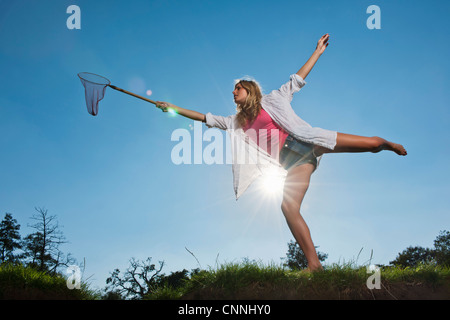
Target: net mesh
[{"x": 94, "y": 89}]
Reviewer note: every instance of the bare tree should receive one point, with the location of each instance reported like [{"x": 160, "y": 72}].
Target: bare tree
[
  {"x": 139, "y": 280},
  {"x": 42, "y": 248}
]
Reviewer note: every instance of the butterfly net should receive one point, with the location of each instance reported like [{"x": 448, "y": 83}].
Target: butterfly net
[{"x": 94, "y": 89}]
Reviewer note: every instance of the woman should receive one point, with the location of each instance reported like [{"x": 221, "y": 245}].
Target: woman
[{"x": 298, "y": 145}]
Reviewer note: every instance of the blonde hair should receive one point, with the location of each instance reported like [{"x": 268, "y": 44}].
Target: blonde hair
[{"x": 248, "y": 111}]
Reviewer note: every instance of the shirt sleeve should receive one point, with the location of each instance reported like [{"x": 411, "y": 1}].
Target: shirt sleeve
[
  {"x": 219, "y": 122},
  {"x": 288, "y": 89}
]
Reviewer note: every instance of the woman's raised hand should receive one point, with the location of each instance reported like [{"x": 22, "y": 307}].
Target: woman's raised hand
[{"x": 322, "y": 43}]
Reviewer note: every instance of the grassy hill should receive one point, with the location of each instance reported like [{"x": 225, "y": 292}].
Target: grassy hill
[
  {"x": 254, "y": 281},
  {"x": 25, "y": 283}
]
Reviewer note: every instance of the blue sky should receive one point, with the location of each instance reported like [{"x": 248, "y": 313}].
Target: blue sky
[{"x": 110, "y": 179}]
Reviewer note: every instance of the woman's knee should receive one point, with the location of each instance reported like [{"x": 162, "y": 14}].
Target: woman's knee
[
  {"x": 289, "y": 208},
  {"x": 376, "y": 144}
]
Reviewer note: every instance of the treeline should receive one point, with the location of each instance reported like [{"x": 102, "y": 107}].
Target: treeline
[
  {"x": 41, "y": 251},
  {"x": 142, "y": 279},
  {"x": 34, "y": 267},
  {"x": 439, "y": 254},
  {"x": 410, "y": 257}
]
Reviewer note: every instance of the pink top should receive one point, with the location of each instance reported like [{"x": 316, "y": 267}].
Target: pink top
[{"x": 264, "y": 131}]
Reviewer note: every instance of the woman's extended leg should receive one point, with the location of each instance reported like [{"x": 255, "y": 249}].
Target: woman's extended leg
[
  {"x": 353, "y": 143},
  {"x": 295, "y": 187}
]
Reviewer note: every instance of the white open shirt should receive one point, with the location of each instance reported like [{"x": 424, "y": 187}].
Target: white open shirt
[{"x": 250, "y": 161}]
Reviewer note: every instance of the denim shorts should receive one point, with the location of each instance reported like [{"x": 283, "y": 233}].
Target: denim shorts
[{"x": 296, "y": 152}]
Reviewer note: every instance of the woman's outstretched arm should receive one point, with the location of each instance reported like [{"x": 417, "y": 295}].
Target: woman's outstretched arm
[
  {"x": 191, "y": 114},
  {"x": 321, "y": 46}
]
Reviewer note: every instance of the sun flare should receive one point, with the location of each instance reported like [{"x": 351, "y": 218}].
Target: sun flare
[{"x": 272, "y": 183}]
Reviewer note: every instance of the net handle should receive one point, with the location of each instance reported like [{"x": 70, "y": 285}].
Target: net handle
[{"x": 132, "y": 94}]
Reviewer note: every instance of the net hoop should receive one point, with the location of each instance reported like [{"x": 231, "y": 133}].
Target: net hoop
[{"x": 94, "y": 78}]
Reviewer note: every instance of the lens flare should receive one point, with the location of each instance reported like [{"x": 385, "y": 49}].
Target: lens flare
[
  {"x": 137, "y": 84},
  {"x": 272, "y": 183},
  {"x": 149, "y": 92},
  {"x": 171, "y": 111}
]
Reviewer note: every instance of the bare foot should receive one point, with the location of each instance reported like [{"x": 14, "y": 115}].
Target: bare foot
[
  {"x": 387, "y": 145},
  {"x": 313, "y": 269},
  {"x": 397, "y": 148}
]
